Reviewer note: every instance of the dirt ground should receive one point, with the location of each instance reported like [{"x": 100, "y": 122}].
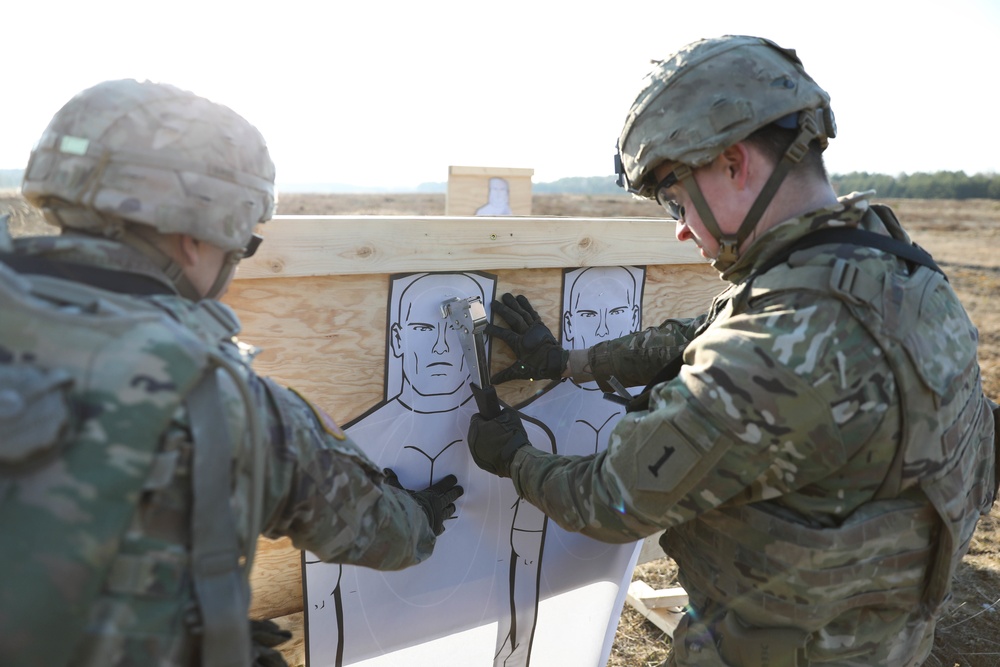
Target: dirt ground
[{"x": 962, "y": 236}]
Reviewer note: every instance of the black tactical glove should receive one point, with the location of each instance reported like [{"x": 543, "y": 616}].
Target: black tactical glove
[
  {"x": 539, "y": 355},
  {"x": 437, "y": 500},
  {"x": 266, "y": 635},
  {"x": 494, "y": 442}
]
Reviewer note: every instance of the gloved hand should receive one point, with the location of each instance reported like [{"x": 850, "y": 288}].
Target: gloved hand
[
  {"x": 437, "y": 500},
  {"x": 266, "y": 635},
  {"x": 539, "y": 355},
  {"x": 494, "y": 442}
]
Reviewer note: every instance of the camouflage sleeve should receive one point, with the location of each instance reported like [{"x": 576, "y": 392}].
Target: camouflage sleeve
[
  {"x": 635, "y": 358},
  {"x": 330, "y": 499},
  {"x": 767, "y": 405}
]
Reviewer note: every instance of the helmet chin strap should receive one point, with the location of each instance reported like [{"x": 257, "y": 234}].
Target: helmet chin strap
[
  {"x": 229, "y": 264},
  {"x": 729, "y": 244}
]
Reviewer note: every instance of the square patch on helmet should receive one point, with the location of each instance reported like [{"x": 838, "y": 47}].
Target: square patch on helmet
[{"x": 74, "y": 145}]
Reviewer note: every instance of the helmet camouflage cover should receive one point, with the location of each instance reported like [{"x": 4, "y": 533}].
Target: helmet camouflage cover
[
  {"x": 156, "y": 155},
  {"x": 710, "y": 95}
]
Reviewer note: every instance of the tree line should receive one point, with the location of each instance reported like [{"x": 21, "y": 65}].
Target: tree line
[
  {"x": 11, "y": 178},
  {"x": 921, "y": 185}
]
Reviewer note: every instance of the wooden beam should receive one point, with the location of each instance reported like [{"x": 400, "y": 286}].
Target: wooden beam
[
  {"x": 664, "y": 598},
  {"x": 664, "y": 608},
  {"x": 299, "y": 246}
]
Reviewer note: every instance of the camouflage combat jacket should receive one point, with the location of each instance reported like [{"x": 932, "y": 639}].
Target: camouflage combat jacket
[
  {"x": 816, "y": 515},
  {"x": 96, "y": 474}
]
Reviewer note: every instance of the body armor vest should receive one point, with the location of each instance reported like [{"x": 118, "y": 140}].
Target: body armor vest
[
  {"x": 901, "y": 549},
  {"x": 90, "y": 381}
]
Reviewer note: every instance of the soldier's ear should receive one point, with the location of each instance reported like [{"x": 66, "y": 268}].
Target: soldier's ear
[
  {"x": 635, "y": 317},
  {"x": 736, "y": 161},
  {"x": 396, "y": 340},
  {"x": 182, "y": 248}
]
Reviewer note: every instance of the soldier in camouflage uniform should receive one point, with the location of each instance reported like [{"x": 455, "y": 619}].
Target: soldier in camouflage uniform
[
  {"x": 141, "y": 457},
  {"x": 820, "y": 449}
]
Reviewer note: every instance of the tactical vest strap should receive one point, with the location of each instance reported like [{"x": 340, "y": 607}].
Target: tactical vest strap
[
  {"x": 842, "y": 278},
  {"x": 856, "y": 237},
  {"x": 222, "y": 590},
  {"x": 122, "y": 282},
  {"x": 217, "y": 319}
]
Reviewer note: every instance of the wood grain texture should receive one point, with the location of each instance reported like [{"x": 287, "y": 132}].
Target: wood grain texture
[
  {"x": 299, "y": 246},
  {"x": 324, "y": 336},
  {"x": 276, "y": 579}
]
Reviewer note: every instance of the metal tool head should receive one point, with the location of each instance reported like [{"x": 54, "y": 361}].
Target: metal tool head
[{"x": 467, "y": 317}]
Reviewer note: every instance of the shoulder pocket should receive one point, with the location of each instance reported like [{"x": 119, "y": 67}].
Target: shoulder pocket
[
  {"x": 934, "y": 329},
  {"x": 34, "y": 412}
]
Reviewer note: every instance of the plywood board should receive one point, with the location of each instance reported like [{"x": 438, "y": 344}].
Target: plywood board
[{"x": 322, "y": 328}]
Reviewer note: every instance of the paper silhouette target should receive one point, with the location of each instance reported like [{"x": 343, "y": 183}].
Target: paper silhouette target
[
  {"x": 498, "y": 198},
  {"x": 583, "y": 581},
  {"x": 505, "y": 587},
  {"x": 477, "y": 594}
]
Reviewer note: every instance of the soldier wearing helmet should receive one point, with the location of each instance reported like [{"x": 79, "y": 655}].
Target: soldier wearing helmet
[
  {"x": 817, "y": 446},
  {"x": 142, "y": 456}
]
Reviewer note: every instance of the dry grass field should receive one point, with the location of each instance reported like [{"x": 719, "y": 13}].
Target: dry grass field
[{"x": 962, "y": 236}]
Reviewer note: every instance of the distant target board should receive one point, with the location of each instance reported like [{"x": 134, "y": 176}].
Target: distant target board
[{"x": 488, "y": 191}]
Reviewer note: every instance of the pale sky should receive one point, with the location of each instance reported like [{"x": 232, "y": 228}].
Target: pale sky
[{"x": 390, "y": 93}]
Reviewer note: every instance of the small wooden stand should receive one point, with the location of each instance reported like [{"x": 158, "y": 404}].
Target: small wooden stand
[{"x": 664, "y": 608}]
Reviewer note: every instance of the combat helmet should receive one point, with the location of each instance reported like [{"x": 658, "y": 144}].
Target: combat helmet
[
  {"x": 708, "y": 96},
  {"x": 157, "y": 156}
]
